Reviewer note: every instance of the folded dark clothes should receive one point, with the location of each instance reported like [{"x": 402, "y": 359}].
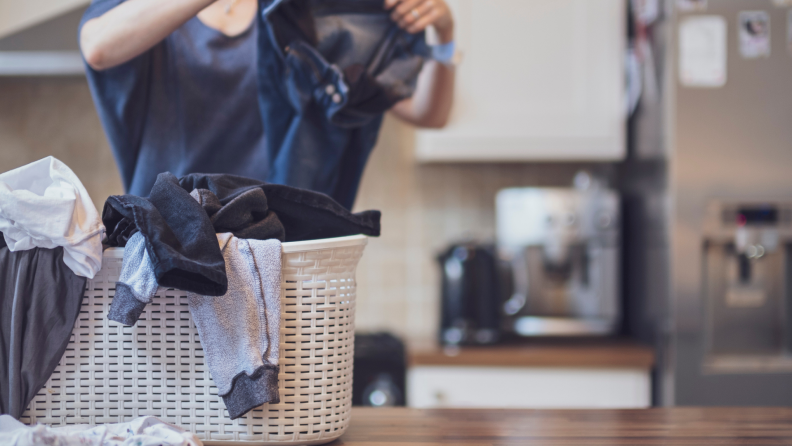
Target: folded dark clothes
[
  {"x": 305, "y": 215},
  {"x": 179, "y": 236},
  {"x": 40, "y": 300}
]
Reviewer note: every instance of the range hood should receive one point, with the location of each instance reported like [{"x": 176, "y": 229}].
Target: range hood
[{"x": 47, "y": 47}]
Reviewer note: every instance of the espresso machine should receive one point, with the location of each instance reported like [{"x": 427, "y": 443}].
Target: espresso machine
[
  {"x": 746, "y": 245},
  {"x": 562, "y": 247}
]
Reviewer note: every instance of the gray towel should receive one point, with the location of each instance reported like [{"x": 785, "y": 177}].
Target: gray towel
[{"x": 239, "y": 331}]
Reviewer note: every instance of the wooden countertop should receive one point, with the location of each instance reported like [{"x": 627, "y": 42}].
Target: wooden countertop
[
  {"x": 671, "y": 427},
  {"x": 559, "y": 353}
]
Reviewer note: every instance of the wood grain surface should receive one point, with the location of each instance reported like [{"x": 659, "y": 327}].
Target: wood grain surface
[
  {"x": 606, "y": 354},
  {"x": 672, "y": 427}
]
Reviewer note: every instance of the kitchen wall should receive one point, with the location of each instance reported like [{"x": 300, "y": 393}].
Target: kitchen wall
[
  {"x": 424, "y": 206},
  {"x": 41, "y": 117}
]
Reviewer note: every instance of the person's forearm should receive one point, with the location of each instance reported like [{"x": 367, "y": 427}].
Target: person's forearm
[
  {"x": 132, "y": 28},
  {"x": 430, "y": 105}
]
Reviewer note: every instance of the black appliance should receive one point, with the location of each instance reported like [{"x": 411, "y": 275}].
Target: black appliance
[
  {"x": 472, "y": 294},
  {"x": 380, "y": 371}
]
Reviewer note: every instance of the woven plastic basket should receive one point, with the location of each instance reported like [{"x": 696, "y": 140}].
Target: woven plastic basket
[{"x": 111, "y": 373}]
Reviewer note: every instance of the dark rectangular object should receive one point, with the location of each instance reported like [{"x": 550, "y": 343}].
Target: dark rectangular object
[
  {"x": 380, "y": 371},
  {"x": 758, "y": 215}
]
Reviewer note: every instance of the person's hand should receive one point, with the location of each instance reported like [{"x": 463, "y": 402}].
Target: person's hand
[{"x": 416, "y": 15}]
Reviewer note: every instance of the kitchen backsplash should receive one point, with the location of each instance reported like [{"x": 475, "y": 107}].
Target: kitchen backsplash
[{"x": 424, "y": 207}]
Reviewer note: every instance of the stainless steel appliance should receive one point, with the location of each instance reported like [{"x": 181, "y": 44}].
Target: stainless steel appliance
[
  {"x": 746, "y": 245},
  {"x": 563, "y": 248},
  {"x": 711, "y": 276},
  {"x": 731, "y": 155}
]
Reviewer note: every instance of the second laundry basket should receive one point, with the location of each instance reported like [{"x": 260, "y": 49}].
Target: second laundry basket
[{"x": 111, "y": 373}]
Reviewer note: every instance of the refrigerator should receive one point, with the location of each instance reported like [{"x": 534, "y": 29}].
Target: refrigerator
[{"x": 724, "y": 329}]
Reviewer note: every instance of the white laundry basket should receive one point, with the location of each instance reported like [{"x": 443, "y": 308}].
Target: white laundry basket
[{"x": 111, "y": 373}]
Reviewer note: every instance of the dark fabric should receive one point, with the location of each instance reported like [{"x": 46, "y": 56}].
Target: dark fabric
[
  {"x": 40, "y": 300},
  {"x": 328, "y": 70},
  {"x": 180, "y": 239},
  {"x": 126, "y": 308},
  {"x": 189, "y": 104},
  {"x": 251, "y": 391},
  {"x": 305, "y": 215},
  {"x": 246, "y": 215}
]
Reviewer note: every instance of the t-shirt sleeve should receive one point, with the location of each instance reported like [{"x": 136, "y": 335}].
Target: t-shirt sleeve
[{"x": 121, "y": 97}]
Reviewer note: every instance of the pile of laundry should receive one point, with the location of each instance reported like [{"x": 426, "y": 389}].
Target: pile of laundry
[
  {"x": 216, "y": 237},
  {"x": 143, "y": 431}
]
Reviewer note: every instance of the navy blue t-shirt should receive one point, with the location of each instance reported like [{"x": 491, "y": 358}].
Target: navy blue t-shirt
[{"x": 187, "y": 105}]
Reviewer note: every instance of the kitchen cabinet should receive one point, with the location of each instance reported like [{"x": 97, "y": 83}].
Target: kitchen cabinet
[
  {"x": 540, "y": 80},
  {"x": 594, "y": 374}
]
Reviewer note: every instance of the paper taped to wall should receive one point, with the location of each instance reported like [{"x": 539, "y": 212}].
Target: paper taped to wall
[{"x": 702, "y": 51}]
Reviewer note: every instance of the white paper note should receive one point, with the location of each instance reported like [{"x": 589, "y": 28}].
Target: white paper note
[{"x": 702, "y": 51}]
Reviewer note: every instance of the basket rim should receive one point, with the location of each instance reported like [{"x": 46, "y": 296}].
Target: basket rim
[{"x": 288, "y": 247}]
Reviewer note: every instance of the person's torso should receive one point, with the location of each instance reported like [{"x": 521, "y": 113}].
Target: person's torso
[{"x": 202, "y": 113}]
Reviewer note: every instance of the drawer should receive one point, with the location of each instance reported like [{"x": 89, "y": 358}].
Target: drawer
[{"x": 539, "y": 388}]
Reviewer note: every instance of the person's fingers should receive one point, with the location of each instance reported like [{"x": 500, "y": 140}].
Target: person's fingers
[
  {"x": 405, "y": 10},
  {"x": 390, "y": 3},
  {"x": 405, "y": 7},
  {"x": 416, "y": 13},
  {"x": 425, "y": 20}
]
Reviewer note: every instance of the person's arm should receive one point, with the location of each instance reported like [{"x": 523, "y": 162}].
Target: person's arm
[
  {"x": 133, "y": 27},
  {"x": 430, "y": 105}
]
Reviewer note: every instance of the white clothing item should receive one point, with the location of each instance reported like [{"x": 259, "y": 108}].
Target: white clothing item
[
  {"x": 143, "y": 431},
  {"x": 44, "y": 205}
]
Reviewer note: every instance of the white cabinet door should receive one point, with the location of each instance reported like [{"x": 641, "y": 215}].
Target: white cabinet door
[
  {"x": 540, "y": 80},
  {"x": 530, "y": 388}
]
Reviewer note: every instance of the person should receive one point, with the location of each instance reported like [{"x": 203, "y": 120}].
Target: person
[{"x": 178, "y": 89}]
